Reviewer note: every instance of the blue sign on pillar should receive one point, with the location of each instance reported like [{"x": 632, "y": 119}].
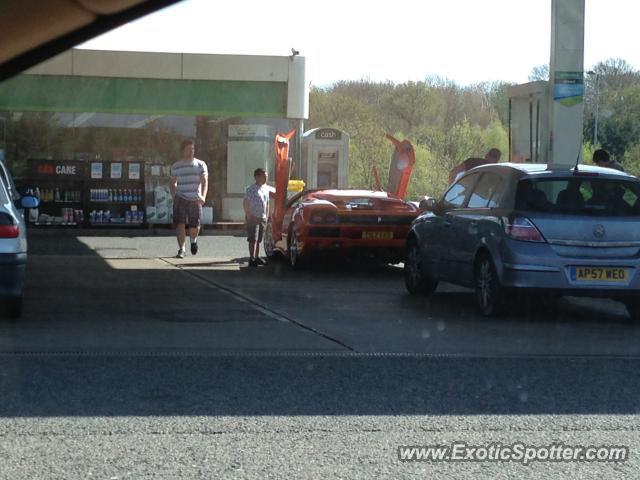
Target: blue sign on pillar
[{"x": 568, "y": 88}]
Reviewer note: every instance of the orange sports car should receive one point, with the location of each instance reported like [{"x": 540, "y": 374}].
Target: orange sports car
[{"x": 356, "y": 223}]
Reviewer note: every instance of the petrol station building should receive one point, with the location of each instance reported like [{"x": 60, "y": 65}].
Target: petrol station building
[{"x": 104, "y": 114}]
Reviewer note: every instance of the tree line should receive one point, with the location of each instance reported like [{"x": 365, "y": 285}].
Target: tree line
[{"x": 448, "y": 123}]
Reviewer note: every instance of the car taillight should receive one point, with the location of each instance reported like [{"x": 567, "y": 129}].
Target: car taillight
[
  {"x": 321, "y": 217},
  {"x": 521, "y": 228},
  {"x": 8, "y": 229}
]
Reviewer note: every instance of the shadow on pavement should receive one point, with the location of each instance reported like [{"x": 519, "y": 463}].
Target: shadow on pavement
[
  {"x": 324, "y": 385},
  {"x": 257, "y": 365}
]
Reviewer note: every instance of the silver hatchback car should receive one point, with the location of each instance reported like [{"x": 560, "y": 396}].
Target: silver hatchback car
[
  {"x": 506, "y": 228},
  {"x": 13, "y": 242}
]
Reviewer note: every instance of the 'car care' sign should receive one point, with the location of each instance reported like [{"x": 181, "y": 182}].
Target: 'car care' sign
[
  {"x": 51, "y": 168},
  {"x": 58, "y": 170},
  {"x": 66, "y": 170}
]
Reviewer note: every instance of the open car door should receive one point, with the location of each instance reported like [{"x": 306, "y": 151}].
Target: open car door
[
  {"x": 279, "y": 197},
  {"x": 402, "y": 161}
]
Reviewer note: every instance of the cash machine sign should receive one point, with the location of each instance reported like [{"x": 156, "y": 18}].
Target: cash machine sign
[{"x": 328, "y": 134}]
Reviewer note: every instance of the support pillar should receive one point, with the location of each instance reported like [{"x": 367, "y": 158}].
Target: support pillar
[{"x": 566, "y": 89}]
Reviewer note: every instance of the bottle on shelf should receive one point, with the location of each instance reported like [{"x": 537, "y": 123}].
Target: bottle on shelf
[{"x": 57, "y": 195}]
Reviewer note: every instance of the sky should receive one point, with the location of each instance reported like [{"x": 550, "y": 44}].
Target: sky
[{"x": 468, "y": 41}]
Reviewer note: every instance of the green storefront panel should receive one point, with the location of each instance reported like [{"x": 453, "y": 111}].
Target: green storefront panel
[{"x": 150, "y": 96}]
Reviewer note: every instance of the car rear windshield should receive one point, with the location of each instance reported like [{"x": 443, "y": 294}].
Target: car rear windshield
[{"x": 580, "y": 196}]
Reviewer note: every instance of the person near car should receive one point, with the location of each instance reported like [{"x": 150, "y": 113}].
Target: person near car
[
  {"x": 492, "y": 156},
  {"x": 602, "y": 158},
  {"x": 256, "y": 208},
  {"x": 189, "y": 184}
]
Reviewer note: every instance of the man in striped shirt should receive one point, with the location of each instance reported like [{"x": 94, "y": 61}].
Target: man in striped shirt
[{"x": 189, "y": 183}]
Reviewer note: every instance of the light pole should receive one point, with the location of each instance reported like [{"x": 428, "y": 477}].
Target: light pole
[{"x": 597, "y": 106}]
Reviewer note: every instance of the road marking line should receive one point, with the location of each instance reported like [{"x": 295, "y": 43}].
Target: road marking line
[{"x": 257, "y": 305}]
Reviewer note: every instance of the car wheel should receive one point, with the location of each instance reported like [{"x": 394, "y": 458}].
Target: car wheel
[
  {"x": 633, "y": 307},
  {"x": 415, "y": 280},
  {"x": 14, "y": 307},
  {"x": 269, "y": 247},
  {"x": 490, "y": 295},
  {"x": 294, "y": 256}
]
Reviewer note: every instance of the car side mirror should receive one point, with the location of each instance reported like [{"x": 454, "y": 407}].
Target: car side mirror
[
  {"x": 428, "y": 204},
  {"x": 29, "y": 201}
]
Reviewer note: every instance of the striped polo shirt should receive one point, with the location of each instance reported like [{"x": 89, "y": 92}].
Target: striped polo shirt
[{"x": 188, "y": 175}]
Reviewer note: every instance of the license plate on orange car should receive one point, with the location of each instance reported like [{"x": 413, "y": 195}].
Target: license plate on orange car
[
  {"x": 600, "y": 274},
  {"x": 377, "y": 235}
]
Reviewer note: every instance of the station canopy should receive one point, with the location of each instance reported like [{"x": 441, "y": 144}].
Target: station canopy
[{"x": 161, "y": 84}]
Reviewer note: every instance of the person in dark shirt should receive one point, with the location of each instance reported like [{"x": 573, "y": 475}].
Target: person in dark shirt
[
  {"x": 602, "y": 158},
  {"x": 492, "y": 156}
]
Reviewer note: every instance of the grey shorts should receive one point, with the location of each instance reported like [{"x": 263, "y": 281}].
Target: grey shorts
[
  {"x": 186, "y": 211},
  {"x": 255, "y": 229}
]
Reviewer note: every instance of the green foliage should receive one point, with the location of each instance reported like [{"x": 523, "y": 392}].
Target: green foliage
[
  {"x": 612, "y": 96},
  {"x": 429, "y": 177},
  {"x": 587, "y": 153},
  {"x": 619, "y": 125},
  {"x": 631, "y": 160},
  {"x": 445, "y": 122},
  {"x": 496, "y": 135}
]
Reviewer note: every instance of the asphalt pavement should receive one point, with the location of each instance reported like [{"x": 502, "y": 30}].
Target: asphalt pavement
[{"x": 131, "y": 364}]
